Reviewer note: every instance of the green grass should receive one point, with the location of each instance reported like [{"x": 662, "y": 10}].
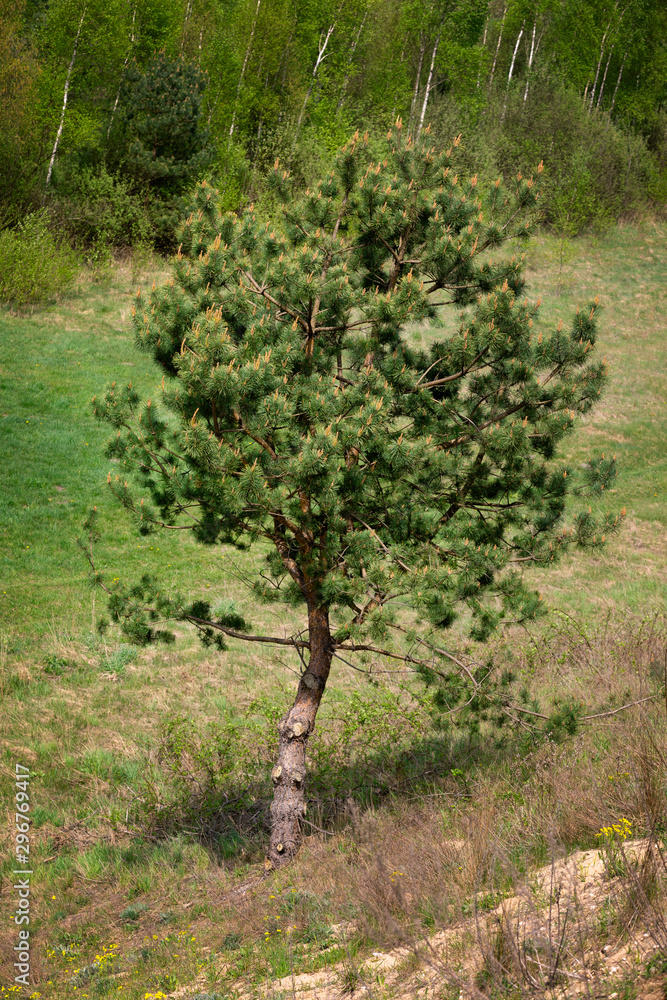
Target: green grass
[
  {"x": 627, "y": 268},
  {"x": 86, "y": 712},
  {"x": 53, "y": 467}
]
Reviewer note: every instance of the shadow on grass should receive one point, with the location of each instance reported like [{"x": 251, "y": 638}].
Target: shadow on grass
[{"x": 211, "y": 786}]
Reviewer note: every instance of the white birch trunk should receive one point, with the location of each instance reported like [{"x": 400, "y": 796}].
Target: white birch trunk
[
  {"x": 120, "y": 82},
  {"x": 597, "y": 72},
  {"x": 428, "y": 84},
  {"x": 320, "y": 57},
  {"x": 618, "y": 82},
  {"x": 500, "y": 38},
  {"x": 349, "y": 62},
  {"x": 509, "y": 75},
  {"x": 530, "y": 59},
  {"x": 604, "y": 79},
  {"x": 243, "y": 69},
  {"x": 62, "y": 113},
  {"x": 415, "y": 89},
  {"x": 516, "y": 49},
  {"x": 479, "y": 71},
  {"x": 188, "y": 11}
]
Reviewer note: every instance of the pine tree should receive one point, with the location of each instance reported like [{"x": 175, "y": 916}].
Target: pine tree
[
  {"x": 158, "y": 138},
  {"x": 397, "y": 487}
]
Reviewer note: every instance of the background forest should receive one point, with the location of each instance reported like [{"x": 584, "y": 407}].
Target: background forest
[{"x": 111, "y": 110}]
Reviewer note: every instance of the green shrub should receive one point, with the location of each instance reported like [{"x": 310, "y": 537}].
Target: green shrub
[
  {"x": 216, "y": 778},
  {"x": 595, "y": 170},
  {"x": 99, "y": 211},
  {"x": 34, "y": 267}
]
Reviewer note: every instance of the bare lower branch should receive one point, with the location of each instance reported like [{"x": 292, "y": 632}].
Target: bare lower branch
[{"x": 234, "y": 634}]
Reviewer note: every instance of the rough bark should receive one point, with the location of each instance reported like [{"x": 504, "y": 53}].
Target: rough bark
[{"x": 289, "y": 774}]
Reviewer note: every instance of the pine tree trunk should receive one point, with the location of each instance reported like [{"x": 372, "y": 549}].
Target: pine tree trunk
[{"x": 289, "y": 774}]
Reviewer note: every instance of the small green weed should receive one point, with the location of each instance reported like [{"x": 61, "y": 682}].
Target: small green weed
[
  {"x": 133, "y": 911},
  {"x": 350, "y": 977},
  {"x": 117, "y": 661},
  {"x": 55, "y": 665},
  {"x": 611, "y": 850}
]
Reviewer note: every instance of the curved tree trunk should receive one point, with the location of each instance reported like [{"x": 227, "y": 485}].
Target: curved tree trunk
[{"x": 295, "y": 727}]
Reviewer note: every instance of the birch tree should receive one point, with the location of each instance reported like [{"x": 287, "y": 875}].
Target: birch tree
[
  {"x": 429, "y": 82},
  {"x": 244, "y": 66},
  {"x": 534, "y": 46},
  {"x": 321, "y": 55},
  {"x": 498, "y": 43},
  {"x": 125, "y": 65},
  {"x": 65, "y": 96}
]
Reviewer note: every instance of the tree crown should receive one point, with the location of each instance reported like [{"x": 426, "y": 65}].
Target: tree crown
[{"x": 389, "y": 479}]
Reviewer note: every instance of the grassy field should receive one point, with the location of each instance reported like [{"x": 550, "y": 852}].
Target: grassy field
[{"x": 145, "y": 851}]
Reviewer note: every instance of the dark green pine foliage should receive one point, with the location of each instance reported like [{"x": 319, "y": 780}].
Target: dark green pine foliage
[
  {"x": 399, "y": 487},
  {"x": 159, "y": 139}
]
